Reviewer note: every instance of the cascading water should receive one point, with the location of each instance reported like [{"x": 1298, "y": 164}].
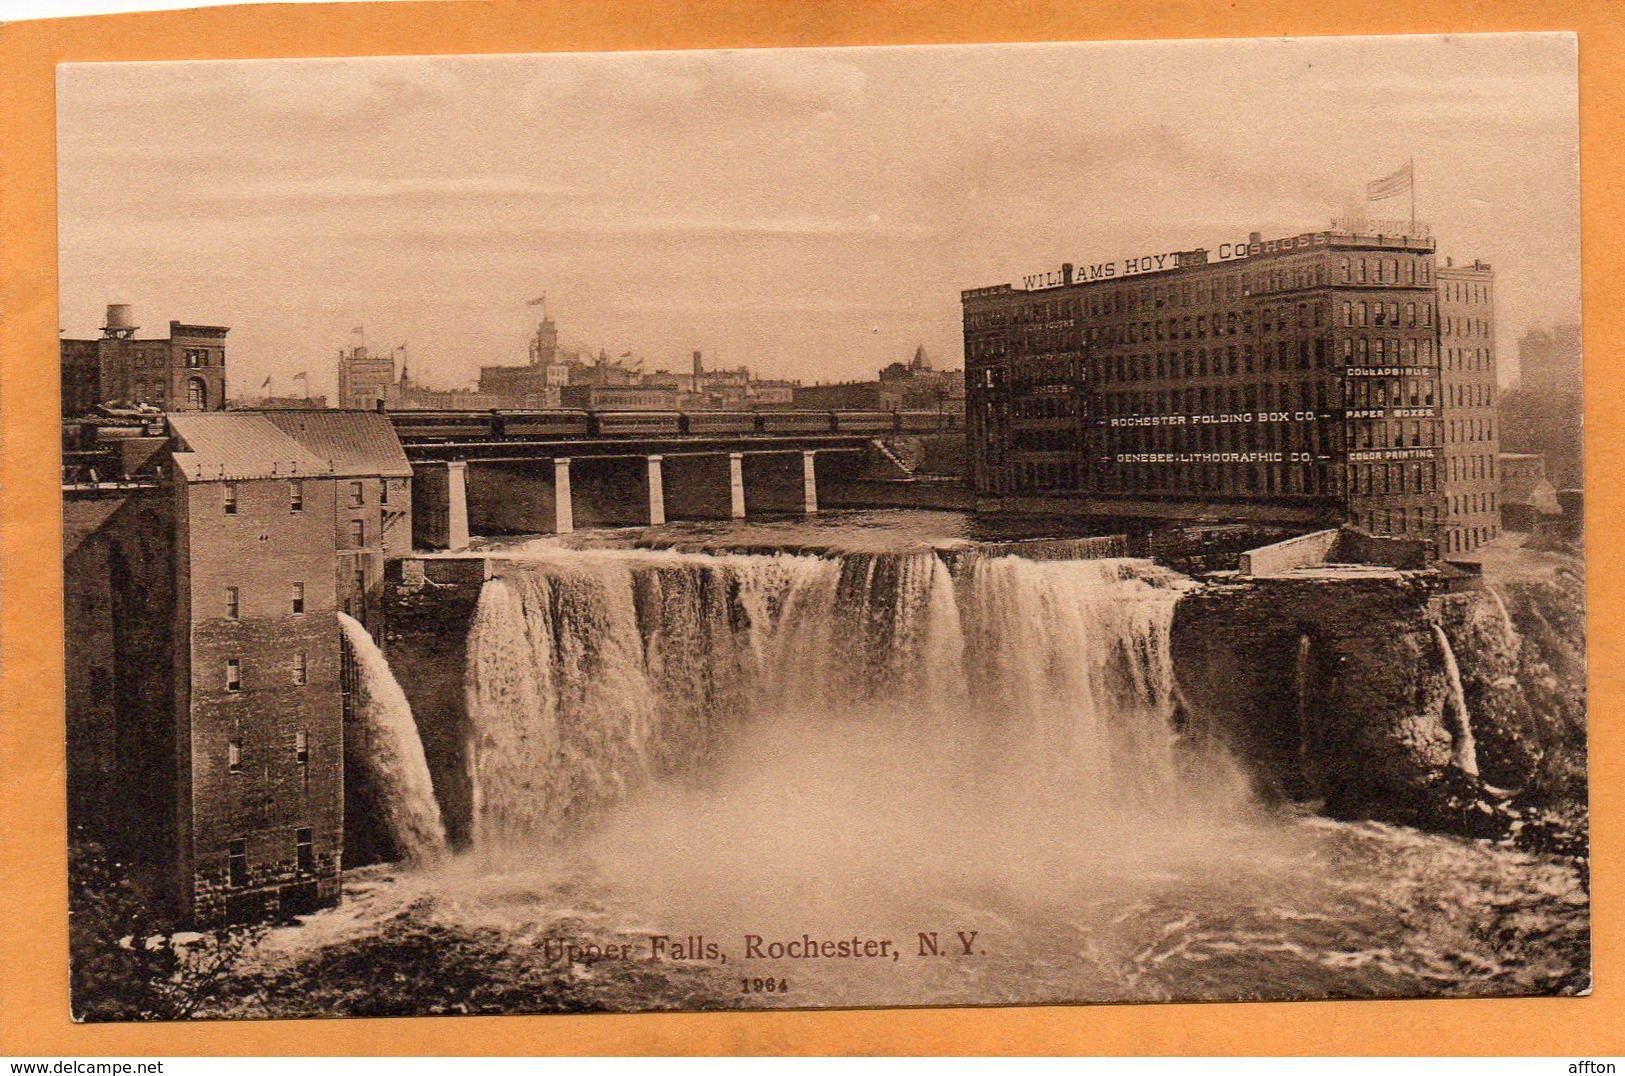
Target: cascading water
[
  {"x": 1463, "y": 751},
  {"x": 887, "y": 741},
  {"x": 389, "y": 753},
  {"x": 590, "y": 673},
  {"x": 1305, "y": 666}
]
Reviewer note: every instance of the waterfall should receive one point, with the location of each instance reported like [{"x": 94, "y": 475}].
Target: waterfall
[
  {"x": 388, "y": 751},
  {"x": 1305, "y": 730},
  {"x": 1463, "y": 753},
  {"x": 591, "y": 674}
]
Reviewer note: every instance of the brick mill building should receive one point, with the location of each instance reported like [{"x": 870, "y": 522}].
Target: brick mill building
[
  {"x": 205, "y": 689},
  {"x": 1336, "y": 376}
]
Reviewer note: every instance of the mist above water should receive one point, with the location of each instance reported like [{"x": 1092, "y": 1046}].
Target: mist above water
[{"x": 839, "y": 741}]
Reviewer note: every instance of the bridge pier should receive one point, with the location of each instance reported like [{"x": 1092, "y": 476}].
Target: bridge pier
[
  {"x": 657, "y": 492},
  {"x": 563, "y": 501},
  {"x": 809, "y": 483},
  {"x": 736, "y": 485},
  {"x": 780, "y": 483},
  {"x": 440, "y": 505}
]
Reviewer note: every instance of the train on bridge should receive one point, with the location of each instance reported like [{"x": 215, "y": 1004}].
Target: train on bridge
[{"x": 446, "y": 427}]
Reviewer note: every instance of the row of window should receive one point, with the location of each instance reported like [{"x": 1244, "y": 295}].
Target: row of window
[
  {"x": 1459, "y": 358},
  {"x": 1459, "y": 291},
  {"x": 1396, "y": 433},
  {"x": 148, "y": 356},
  {"x": 234, "y": 751},
  {"x": 1386, "y": 315},
  {"x": 1466, "y": 503},
  {"x": 1229, "y": 361},
  {"x": 234, "y": 601},
  {"x": 1465, "y": 327},
  {"x": 1464, "y": 539},
  {"x": 1469, "y": 468},
  {"x": 298, "y": 671},
  {"x": 1479, "y": 395},
  {"x": 1462, "y": 431},
  {"x": 1105, "y": 302},
  {"x": 1361, "y": 393},
  {"x": 296, "y": 495},
  {"x": 304, "y": 857},
  {"x": 1409, "y": 476},
  {"x": 1398, "y": 520}
]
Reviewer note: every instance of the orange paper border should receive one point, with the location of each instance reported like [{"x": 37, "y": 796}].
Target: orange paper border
[{"x": 33, "y": 924}]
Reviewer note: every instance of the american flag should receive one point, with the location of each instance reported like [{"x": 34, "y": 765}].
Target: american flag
[{"x": 1389, "y": 185}]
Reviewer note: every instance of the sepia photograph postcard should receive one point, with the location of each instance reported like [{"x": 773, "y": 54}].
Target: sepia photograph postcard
[{"x": 889, "y": 526}]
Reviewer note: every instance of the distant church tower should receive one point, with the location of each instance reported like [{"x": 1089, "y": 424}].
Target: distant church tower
[{"x": 920, "y": 364}]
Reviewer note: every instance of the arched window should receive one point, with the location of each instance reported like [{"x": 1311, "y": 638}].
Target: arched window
[{"x": 197, "y": 395}]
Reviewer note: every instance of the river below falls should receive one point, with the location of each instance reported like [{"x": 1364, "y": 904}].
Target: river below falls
[
  {"x": 1280, "y": 907},
  {"x": 694, "y": 766}
]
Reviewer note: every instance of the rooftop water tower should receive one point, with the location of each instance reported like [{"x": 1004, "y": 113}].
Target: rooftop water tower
[{"x": 120, "y": 322}]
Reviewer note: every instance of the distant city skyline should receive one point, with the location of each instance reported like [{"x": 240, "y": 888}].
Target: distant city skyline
[{"x": 813, "y": 214}]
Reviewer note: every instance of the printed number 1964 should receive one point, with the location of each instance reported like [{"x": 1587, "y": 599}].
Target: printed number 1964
[{"x": 764, "y": 986}]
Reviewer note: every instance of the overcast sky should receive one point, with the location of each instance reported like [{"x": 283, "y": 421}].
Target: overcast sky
[{"x": 811, "y": 213}]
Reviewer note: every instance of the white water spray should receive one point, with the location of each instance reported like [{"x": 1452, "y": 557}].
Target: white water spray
[
  {"x": 590, "y": 674},
  {"x": 389, "y": 752},
  {"x": 1463, "y": 751}
]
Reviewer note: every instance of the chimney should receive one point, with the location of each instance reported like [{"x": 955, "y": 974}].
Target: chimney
[
  {"x": 1066, "y": 272},
  {"x": 1254, "y": 237},
  {"x": 698, "y": 368}
]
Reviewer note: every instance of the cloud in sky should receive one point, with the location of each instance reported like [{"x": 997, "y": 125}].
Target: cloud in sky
[{"x": 813, "y": 213}]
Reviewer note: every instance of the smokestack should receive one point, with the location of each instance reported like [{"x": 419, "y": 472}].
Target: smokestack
[
  {"x": 1066, "y": 272},
  {"x": 698, "y": 368},
  {"x": 1254, "y": 237}
]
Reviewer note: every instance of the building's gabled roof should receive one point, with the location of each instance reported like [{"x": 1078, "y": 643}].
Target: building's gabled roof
[
  {"x": 224, "y": 445},
  {"x": 356, "y": 442}
]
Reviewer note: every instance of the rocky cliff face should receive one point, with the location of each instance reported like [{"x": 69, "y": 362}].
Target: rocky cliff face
[{"x": 1340, "y": 690}]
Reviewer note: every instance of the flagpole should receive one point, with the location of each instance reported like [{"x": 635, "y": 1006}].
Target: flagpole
[{"x": 1410, "y": 167}]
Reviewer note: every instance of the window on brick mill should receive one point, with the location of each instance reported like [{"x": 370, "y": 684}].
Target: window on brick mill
[
  {"x": 237, "y": 863},
  {"x": 301, "y": 668},
  {"x": 234, "y": 756},
  {"x": 358, "y": 494},
  {"x": 298, "y": 598},
  {"x": 232, "y": 605},
  {"x": 231, "y": 498},
  {"x": 304, "y": 851},
  {"x": 358, "y": 533},
  {"x": 296, "y": 496},
  {"x": 301, "y": 747},
  {"x": 234, "y": 674},
  {"x": 383, "y": 492}
]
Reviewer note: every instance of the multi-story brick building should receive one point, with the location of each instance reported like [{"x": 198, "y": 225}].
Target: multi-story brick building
[
  {"x": 1468, "y": 397},
  {"x": 205, "y": 696},
  {"x": 185, "y": 371},
  {"x": 372, "y": 512},
  {"x": 1294, "y": 381}
]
